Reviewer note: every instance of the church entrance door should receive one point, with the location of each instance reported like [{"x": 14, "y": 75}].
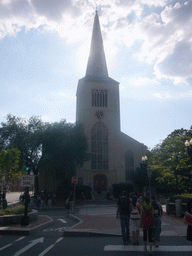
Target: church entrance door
[{"x": 100, "y": 182}]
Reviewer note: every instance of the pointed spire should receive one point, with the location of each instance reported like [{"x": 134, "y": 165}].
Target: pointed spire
[{"x": 97, "y": 66}]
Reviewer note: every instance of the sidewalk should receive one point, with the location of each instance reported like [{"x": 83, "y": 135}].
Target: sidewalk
[
  {"x": 99, "y": 224},
  {"x": 108, "y": 225}
]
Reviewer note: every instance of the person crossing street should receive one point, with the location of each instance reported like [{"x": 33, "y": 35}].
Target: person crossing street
[
  {"x": 123, "y": 209},
  {"x": 158, "y": 212}
]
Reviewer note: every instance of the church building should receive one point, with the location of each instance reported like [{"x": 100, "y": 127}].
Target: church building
[{"x": 114, "y": 156}]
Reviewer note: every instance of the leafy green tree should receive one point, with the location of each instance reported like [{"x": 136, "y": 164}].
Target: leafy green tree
[
  {"x": 64, "y": 148},
  {"x": 55, "y": 148},
  {"x": 9, "y": 164},
  {"x": 23, "y": 134},
  {"x": 171, "y": 163}
]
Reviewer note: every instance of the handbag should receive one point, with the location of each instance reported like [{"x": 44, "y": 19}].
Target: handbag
[{"x": 188, "y": 217}]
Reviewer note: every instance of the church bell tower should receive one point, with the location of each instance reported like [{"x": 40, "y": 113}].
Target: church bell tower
[{"x": 97, "y": 109}]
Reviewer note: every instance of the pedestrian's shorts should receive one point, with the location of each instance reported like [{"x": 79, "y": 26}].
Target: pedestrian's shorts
[{"x": 134, "y": 225}]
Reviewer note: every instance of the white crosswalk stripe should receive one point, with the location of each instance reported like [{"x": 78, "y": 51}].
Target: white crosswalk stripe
[{"x": 140, "y": 248}]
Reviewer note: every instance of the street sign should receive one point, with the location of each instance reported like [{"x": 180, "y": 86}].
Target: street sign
[
  {"x": 75, "y": 180},
  {"x": 27, "y": 180}
]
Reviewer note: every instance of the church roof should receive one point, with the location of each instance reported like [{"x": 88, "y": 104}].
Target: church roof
[{"x": 96, "y": 66}]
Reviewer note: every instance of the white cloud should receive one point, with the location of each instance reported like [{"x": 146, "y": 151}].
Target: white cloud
[
  {"x": 168, "y": 43},
  {"x": 122, "y": 88},
  {"x": 154, "y": 3},
  {"x": 142, "y": 81},
  {"x": 173, "y": 95},
  {"x": 165, "y": 32},
  {"x": 65, "y": 95},
  {"x": 3, "y": 113},
  {"x": 162, "y": 95},
  {"x": 45, "y": 118}
]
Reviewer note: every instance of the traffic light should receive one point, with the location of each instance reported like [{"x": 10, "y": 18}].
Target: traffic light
[{"x": 28, "y": 164}]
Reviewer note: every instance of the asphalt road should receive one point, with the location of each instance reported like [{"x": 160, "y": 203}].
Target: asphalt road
[
  {"x": 41, "y": 240},
  {"x": 53, "y": 243},
  {"x": 49, "y": 240}
]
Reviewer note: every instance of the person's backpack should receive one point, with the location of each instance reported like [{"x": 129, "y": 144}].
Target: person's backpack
[
  {"x": 135, "y": 215},
  {"x": 157, "y": 209},
  {"x": 124, "y": 204},
  {"x": 147, "y": 221}
]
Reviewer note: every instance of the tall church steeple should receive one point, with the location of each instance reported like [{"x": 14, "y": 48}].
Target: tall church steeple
[{"x": 96, "y": 66}]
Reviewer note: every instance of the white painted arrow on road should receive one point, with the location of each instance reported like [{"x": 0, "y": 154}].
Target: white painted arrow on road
[
  {"x": 8, "y": 245},
  {"x": 32, "y": 243},
  {"x": 62, "y": 220},
  {"x": 50, "y": 247}
]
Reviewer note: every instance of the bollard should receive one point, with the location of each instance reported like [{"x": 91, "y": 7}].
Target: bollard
[
  {"x": 73, "y": 207},
  {"x": 178, "y": 208}
]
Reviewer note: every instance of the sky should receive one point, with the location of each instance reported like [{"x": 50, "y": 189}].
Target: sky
[{"x": 44, "y": 49}]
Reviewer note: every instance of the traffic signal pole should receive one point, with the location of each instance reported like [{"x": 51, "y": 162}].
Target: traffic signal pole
[{"x": 25, "y": 218}]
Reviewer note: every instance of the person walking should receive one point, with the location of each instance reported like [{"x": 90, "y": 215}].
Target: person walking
[
  {"x": 135, "y": 220},
  {"x": 158, "y": 212},
  {"x": 147, "y": 221},
  {"x": 189, "y": 228},
  {"x": 123, "y": 209}
]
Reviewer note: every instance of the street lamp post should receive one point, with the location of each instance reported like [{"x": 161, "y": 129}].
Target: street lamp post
[
  {"x": 188, "y": 145},
  {"x": 149, "y": 173}
]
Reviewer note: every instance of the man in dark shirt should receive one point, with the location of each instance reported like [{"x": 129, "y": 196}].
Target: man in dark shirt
[
  {"x": 123, "y": 208},
  {"x": 158, "y": 212}
]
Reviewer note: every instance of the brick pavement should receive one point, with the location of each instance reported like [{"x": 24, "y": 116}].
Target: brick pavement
[
  {"x": 171, "y": 225},
  {"x": 110, "y": 224}
]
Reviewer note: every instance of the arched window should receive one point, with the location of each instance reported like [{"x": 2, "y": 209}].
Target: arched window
[
  {"x": 129, "y": 165},
  {"x": 99, "y": 147}
]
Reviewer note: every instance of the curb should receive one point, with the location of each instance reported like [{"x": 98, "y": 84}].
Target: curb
[
  {"x": 71, "y": 232},
  {"x": 21, "y": 231},
  {"x": 14, "y": 231}
]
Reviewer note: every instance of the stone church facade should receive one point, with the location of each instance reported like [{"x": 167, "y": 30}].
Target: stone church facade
[{"x": 113, "y": 154}]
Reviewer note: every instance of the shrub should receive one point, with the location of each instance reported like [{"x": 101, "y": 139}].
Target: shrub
[
  {"x": 119, "y": 188},
  {"x": 13, "y": 210},
  {"x": 82, "y": 191},
  {"x": 185, "y": 197}
]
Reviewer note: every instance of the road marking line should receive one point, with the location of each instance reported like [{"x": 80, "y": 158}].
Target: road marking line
[
  {"x": 48, "y": 230},
  {"x": 140, "y": 248},
  {"x": 32, "y": 243},
  {"x": 80, "y": 221},
  {"x": 8, "y": 245},
  {"x": 50, "y": 247},
  {"x": 62, "y": 229},
  {"x": 50, "y": 220},
  {"x": 62, "y": 220}
]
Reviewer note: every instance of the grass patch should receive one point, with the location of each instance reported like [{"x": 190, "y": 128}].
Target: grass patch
[
  {"x": 20, "y": 209},
  {"x": 185, "y": 197}
]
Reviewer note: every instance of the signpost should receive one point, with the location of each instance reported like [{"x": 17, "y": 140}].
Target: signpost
[
  {"x": 27, "y": 180},
  {"x": 75, "y": 180}
]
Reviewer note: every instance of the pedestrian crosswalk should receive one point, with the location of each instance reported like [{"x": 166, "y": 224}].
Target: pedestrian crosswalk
[{"x": 132, "y": 248}]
